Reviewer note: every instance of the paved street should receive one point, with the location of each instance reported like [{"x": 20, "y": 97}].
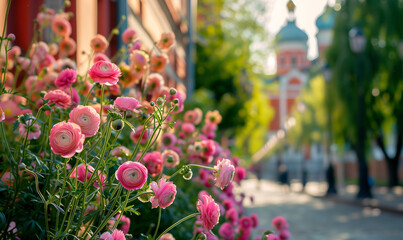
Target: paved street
[{"x": 313, "y": 218}]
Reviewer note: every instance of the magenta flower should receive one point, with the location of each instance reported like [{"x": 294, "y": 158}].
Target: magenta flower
[
  {"x": 75, "y": 96},
  {"x": 127, "y": 104},
  {"x": 209, "y": 212},
  {"x": 101, "y": 57},
  {"x": 272, "y": 236},
  {"x": 245, "y": 222},
  {"x": 135, "y": 136},
  {"x": 279, "y": 223},
  {"x": 164, "y": 193},
  {"x": 58, "y": 97},
  {"x": 224, "y": 173},
  {"x": 66, "y": 139},
  {"x": 153, "y": 162},
  {"x": 171, "y": 158},
  {"x": 66, "y": 78},
  {"x": 255, "y": 220},
  {"x": 87, "y": 118},
  {"x": 245, "y": 234},
  {"x": 226, "y": 231},
  {"x": 187, "y": 129},
  {"x": 105, "y": 73},
  {"x": 232, "y": 216},
  {"x": 132, "y": 175},
  {"x": 284, "y": 234},
  {"x": 34, "y": 132},
  {"x": 124, "y": 223},
  {"x": 240, "y": 174},
  {"x": 116, "y": 235}
]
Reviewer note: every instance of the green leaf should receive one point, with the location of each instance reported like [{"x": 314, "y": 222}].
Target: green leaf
[{"x": 58, "y": 208}]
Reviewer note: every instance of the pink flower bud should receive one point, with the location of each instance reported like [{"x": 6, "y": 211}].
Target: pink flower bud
[{"x": 224, "y": 173}]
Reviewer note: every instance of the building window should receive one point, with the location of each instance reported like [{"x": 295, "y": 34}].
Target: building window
[{"x": 294, "y": 61}]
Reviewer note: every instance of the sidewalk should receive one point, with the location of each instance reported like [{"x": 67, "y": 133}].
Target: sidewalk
[
  {"x": 312, "y": 217},
  {"x": 383, "y": 198}
]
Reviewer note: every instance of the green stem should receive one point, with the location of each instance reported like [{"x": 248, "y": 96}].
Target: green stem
[
  {"x": 66, "y": 160},
  {"x": 88, "y": 95},
  {"x": 158, "y": 223},
  {"x": 102, "y": 100},
  {"x": 176, "y": 224}
]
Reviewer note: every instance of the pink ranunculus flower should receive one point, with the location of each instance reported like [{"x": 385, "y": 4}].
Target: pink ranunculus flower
[
  {"x": 129, "y": 35},
  {"x": 2, "y": 115},
  {"x": 255, "y": 220},
  {"x": 167, "y": 40},
  {"x": 76, "y": 97},
  {"x": 168, "y": 140},
  {"x": 135, "y": 136},
  {"x": 87, "y": 118},
  {"x": 167, "y": 236},
  {"x": 272, "y": 236},
  {"x": 132, "y": 175},
  {"x": 34, "y": 132},
  {"x": 82, "y": 172},
  {"x": 171, "y": 158},
  {"x": 232, "y": 216},
  {"x": 105, "y": 73},
  {"x": 116, "y": 235},
  {"x": 66, "y": 139},
  {"x": 224, "y": 173},
  {"x": 190, "y": 116},
  {"x": 99, "y": 43},
  {"x": 209, "y": 212},
  {"x": 120, "y": 151},
  {"x": 245, "y": 222},
  {"x": 187, "y": 129},
  {"x": 101, "y": 57},
  {"x": 164, "y": 193},
  {"x": 124, "y": 223},
  {"x": 127, "y": 104},
  {"x": 58, "y": 97},
  {"x": 279, "y": 223},
  {"x": 153, "y": 162},
  {"x": 284, "y": 234},
  {"x": 66, "y": 78},
  {"x": 154, "y": 83},
  {"x": 226, "y": 231},
  {"x": 240, "y": 174}
]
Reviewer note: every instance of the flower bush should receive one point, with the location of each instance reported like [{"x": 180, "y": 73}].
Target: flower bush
[{"x": 108, "y": 153}]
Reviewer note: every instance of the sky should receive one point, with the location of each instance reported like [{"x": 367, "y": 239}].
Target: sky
[{"x": 306, "y": 13}]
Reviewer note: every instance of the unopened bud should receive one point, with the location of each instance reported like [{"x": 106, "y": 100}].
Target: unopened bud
[
  {"x": 160, "y": 101},
  {"x": 117, "y": 124},
  {"x": 201, "y": 236},
  {"x": 145, "y": 197},
  {"x": 152, "y": 104},
  {"x": 11, "y": 37},
  {"x": 67, "y": 3},
  {"x": 22, "y": 166},
  {"x": 176, "y": 101},
  {"x": 188, "y": 175},
  {"x": 172, "y": 91}
]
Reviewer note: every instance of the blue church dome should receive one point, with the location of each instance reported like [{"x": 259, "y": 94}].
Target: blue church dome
[
  {"x": 291, "y": 33},
  {"x": 326, "y": 20}
]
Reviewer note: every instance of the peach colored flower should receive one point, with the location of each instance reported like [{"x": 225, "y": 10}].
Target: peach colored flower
[
  {"x": 153, "y": 162},
  {"x": 66, "y": 139},
  {"x": 139, "y": 60},
  {"x": 213, "y": 117},
  {"x": 66, "y": 78},
  {"x": 14, "y": 53},
  {"x": 61, "y": 26},
  {"x": 164, "y": 193},
  {"x": 158, "y": 62},
  {"x": 190, "y": 116},
  {"x": 127, "y": 79},
  {"x": 199, "y": 115},
  {"x": 58, "y": 97},
  {"x": 129, "y": 35},
  {"x": 44, "y": 17},
  {"x": 53, "y": 49},
  {"x": 154, "y": 83},
  {"x": 167, "y": 236},
  {"x": 87, "y": 118},
  {"x": 34, "y": 132},
  {"x": 224, "y": 173},
  {"x": 67, "y": 46},
  {"x": 132, "y": 175},
  {"x": 148, "y": 108},
  {"x": 105, "y": 73},
  {"x": 127, "y": 104},
  {"x": 209, "y": 211},
  {"x": 11, "y": 111},
  {"x": 171, "y": 158},
  {"x": 99, "y": 43},
  {"x": 166, "y": 41}
]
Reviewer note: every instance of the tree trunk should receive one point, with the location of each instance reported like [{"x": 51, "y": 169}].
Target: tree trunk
[{"x": 393, "y": 167}]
